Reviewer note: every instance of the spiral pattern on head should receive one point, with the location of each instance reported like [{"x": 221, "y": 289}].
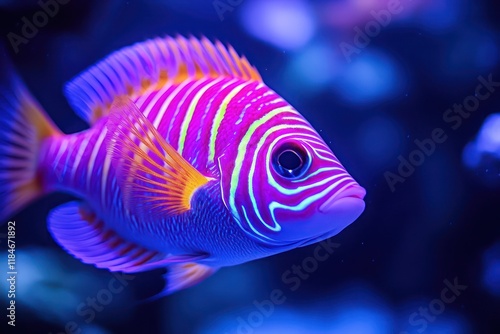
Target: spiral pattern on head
[{"x": 258, "y": 196}]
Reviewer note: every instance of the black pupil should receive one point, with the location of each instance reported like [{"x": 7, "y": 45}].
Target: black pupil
[{"x": 290, "y": 160}]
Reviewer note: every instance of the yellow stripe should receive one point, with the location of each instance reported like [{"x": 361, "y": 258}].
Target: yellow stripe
[
  {"x": 219, "y": 116},
  {"x": 242, "y": 150},
  {"x": 189, "y": 115}
]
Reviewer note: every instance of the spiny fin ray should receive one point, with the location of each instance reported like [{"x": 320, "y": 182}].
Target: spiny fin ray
[
  {"x": 147, "y": 166},
  {"x": 150, "y": 65}
]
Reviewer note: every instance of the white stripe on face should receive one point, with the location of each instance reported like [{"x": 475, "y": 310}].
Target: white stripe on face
[{"x": 265, "y": 191}]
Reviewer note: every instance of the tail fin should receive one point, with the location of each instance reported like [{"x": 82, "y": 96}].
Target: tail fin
[{"x": 23, "y": 125}]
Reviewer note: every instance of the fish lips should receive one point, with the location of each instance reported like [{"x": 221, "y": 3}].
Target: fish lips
[{"x": 334, "y": 215}]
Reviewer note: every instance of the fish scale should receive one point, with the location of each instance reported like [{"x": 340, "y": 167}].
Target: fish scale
[{"x": 191, "y": 162}]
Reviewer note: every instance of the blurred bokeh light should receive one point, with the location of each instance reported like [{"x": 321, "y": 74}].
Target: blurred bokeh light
[
  {"x": 491, "y": 269},
  {"x": 372, "y": 76}
]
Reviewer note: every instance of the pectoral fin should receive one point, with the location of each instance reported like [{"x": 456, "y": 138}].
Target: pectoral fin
[{"x": 154, "y": 177}]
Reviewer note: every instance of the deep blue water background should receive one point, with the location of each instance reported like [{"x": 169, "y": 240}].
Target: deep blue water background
[{"x": 441, "y": 223}]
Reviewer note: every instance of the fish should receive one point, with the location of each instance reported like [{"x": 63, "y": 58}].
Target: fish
[{"x": 190, "y": 163}]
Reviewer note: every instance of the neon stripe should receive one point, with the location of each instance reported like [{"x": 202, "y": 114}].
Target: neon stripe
[
  {"x": 319, "y": 171},
  {"x": 62, "y": 148},
  {"x": 189, "y": 115},
  {"x": 104, "y": 178},
  {"x": 208, "y": 108},
  {"x": 242, "y": 151},
  {"x": 271, "y": 180},
  {"x": 251, "y": 226},
  {"x": 81, "y": 150},
  {"x": 306, "y": 202},
  {"x": 153, "y": 102},
  {"x": 69, "y": 150},
  {"x": 180, "y": 105},
  {"x": 261, "y": 142},
  {"x": 167, "y": 103},
  {"x": 256, "y": 89},
  {"x": 93, "y": 156},
  {"x": 219, "y": 116}
]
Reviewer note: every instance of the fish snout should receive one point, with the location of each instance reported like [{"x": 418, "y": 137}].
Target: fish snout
[{"x": 344, "y": 207}]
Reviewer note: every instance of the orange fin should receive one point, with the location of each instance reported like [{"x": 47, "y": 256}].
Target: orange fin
[
  {"x": 25, "y": 126},
  {"x": 150, "y": 65},
  {"x": 154, "y": 177},
  {"x": 86, "y": 237},
  {"x": 182, "y": 276}
]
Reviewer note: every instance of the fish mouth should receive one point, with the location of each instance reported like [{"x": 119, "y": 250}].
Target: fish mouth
[
  {"x": 340, "y": 211},
  {"x": 356, "y": 193},
  {"x": 335, "y": 214}
]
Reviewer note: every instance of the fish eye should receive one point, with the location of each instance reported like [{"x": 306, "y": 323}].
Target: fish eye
[{"x": 291, "y": 161}]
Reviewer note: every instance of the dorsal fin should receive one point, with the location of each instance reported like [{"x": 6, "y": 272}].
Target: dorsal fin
[{"x": 150, "y": 65}]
